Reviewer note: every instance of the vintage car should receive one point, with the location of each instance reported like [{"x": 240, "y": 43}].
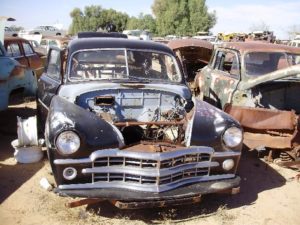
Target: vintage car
[
  {"x": 14, "y": 77},
  {"x": 22, "y": 51},
  {"x": 193, "y": 54},
  {"x": 257, "y": 83},
  {"x": 8, "y": 31},
  {"x": 45, "y": 31},
  {"x": 120, "y": 124}
]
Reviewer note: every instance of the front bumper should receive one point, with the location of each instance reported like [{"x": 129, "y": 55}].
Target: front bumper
[{"x": 184, "y": 192}]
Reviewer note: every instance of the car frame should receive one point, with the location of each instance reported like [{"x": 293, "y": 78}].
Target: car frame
[{"x": 141, "y": 141}]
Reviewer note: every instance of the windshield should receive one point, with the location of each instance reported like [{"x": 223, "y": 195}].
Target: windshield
[
  {"x": 123, "y": 64},
  {"x": 260, "y": 63}
]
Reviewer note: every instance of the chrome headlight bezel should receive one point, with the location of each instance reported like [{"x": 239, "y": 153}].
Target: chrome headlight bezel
[
  {"x": 67, "y": 142},
  {"x": 232, "y": 137}
]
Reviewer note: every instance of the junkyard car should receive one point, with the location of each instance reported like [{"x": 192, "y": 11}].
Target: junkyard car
[
  {"x": 194, "y": 54},
  {"x": 45, "y": 31},
  {"x": 10, "y": 32},
  {"x": 257, "y": 83},
  {"x": 13, "y": 77},
  {"x": 120, "y": 124},
  {"x": 22, "y": 51}
]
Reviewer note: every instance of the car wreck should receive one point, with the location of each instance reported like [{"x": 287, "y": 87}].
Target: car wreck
[
  {"x": 193, "y": 54},
  {"x": 258, "y": 84},
  {"x": 14, "y": 77},
  {"x": 121, "y": 125}
]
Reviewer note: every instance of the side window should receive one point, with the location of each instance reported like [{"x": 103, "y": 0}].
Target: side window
[
  {"x": 27, "y": 49},
  {"x": 219, "y": 60},
  {"x": 54, "y": 65},
  {"x": 13, "y": 50},
  {"x": 227, "y": 62}
]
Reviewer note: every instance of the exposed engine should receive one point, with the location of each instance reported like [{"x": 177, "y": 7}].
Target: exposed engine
[{"x": 146, "y": 115}]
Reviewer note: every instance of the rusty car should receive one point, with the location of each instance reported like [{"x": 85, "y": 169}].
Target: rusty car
[
  {"x": 22, "y": 51},
  {"x": 193, "y": 54},
  {"x": 121, "y": 125},
  {"x": 258, "y": 84},
  {"x": 14, "y": 78}
]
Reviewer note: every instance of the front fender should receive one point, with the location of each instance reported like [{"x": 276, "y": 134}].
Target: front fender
[
  {"x": 209, "y": 124},
  {"x": 94, "y": 132}
]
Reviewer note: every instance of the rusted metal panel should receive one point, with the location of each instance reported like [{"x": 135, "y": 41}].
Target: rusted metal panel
[
  {"x": 255, "y": 140},
  {"x": 151, "y": 204},
  {"x": 262, "y": 119},
  {"x": 81, "y": 202},
  {"x": 182, "y": 43}
]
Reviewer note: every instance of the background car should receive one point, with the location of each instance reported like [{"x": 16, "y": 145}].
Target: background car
[
  {"x": 22, "y": 51},
  {"x": 45, "y": 31},
  {"x": 10, "y": 32},
  {"x": 121, "y": 124},
  {"x": 14, "y": 78}
]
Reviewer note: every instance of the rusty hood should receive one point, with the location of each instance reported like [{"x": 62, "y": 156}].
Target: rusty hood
[{"x": 276, "y": 75}]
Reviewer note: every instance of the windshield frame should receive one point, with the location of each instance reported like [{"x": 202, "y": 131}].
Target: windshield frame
[{"x": 126, "y": 76}]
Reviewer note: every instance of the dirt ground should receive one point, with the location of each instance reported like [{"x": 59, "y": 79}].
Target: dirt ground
[{"x": 269, "y": 194}]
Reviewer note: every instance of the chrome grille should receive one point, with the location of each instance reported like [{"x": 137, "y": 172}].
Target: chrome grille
[
  {"x": 150, "y": 168},
  {"x": 148, "y": 163}
]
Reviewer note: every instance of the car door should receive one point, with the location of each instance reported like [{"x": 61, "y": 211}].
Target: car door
[
  {"x": 34, "y": 60},
  {"x": 223, "y": 78},
  {"x": 49, "y": 82}
]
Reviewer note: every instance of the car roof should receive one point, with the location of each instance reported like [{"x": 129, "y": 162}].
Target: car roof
[
  {"x": 94, "y": 43},
  {"x": 259, "y": 46}
]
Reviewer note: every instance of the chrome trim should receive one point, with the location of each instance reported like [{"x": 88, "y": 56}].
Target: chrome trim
[
  {"x": 137, "y": 155},
  {"x": 145, "y": 187},
  {"x": 149, "y": 172},
  {"x": 71, "y": 161},
  {"x": 226, "y": 154},
  {"x": 43, "y": 104}
]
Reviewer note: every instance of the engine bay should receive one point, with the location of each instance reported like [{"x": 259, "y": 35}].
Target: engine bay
[{"x": 140, "y": 115}]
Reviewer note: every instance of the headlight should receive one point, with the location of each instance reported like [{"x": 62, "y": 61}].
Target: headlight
[
  {"x": 232, "y": 137},
  {"x": 67, "y": 142}
]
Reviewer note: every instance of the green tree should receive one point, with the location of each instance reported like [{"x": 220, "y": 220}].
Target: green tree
[
  {"x": 142, "y": 22},
  {"x": 95, "y": 17},
  {"x": 182, "y": 17}
]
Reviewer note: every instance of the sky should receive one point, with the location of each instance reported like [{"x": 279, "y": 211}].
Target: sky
[{"x": 233, "y": 15}]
